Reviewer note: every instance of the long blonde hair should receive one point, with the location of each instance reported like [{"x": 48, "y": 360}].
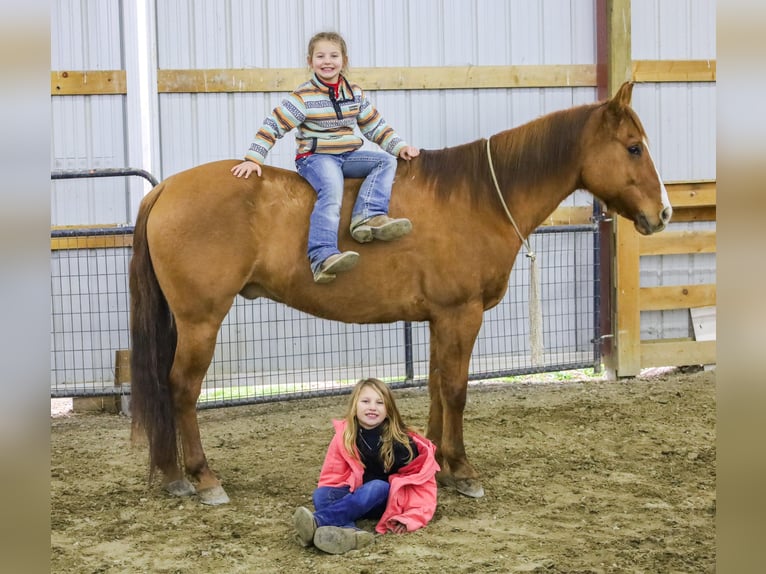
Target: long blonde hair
[
  {"x": 333, "y": 37},
  {"x": 392, "y": 429}
]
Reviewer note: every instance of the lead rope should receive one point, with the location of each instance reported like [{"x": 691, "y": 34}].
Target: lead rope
[{"x": 535, "y": 309}]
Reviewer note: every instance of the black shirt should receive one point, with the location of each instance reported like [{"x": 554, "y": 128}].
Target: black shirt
[{"x": 368, "y": 442}]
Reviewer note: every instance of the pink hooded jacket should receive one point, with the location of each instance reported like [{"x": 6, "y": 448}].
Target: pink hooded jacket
[{"x": 412, "y": 495}]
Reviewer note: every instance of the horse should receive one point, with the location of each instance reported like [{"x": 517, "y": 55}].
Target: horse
[{"x": 203, "y": 236}]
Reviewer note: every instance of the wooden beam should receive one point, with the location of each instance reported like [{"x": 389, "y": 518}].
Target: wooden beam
[
  {"x": 417, "y": 78},
  {"x": 626, "y": 316},
  {"x": 579, "y": 215},
  {"x": 88, "y": 83},
  {"x": 619, "y": 27},
  {"x": 91, "y": 242},
  {"x": 693, "y": 200},
  {"x": 676, "y": 242},
  {"x": 674, "y": 70},
  {"x": 677, "y": 297},
  {"x": 664, "y": 353},
  {"x": 691, "y": 193},
  {"x": 684, "y": 214},
  {"x": 627, "y": 319},
  {"x": 224, "y": 80}
]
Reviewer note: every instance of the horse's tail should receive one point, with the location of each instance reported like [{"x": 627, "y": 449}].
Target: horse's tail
[{"x": 154, "y": 336}]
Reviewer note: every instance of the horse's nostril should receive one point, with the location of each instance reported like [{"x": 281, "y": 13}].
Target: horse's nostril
[{"x": 666, "y": 214}]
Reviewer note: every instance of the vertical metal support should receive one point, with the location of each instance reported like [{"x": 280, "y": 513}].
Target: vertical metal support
[
  {"x": 139, "y": 29},
  {"x": 409, "y": 366},
  {"x": 597, "y": 215}
]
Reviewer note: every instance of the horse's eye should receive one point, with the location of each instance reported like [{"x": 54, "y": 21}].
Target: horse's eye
[{"x": 635, "y": 150}]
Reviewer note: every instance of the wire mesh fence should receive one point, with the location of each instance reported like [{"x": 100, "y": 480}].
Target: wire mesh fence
[{"x": 267, "y": 351}]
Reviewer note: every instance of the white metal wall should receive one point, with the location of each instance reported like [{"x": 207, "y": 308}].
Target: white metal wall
[
  {"x": 680, "y": 120},
  {"x": 197, "y": 128},
  {"x": 87, "y": 132},
  {"x": 91, "y": 131}
]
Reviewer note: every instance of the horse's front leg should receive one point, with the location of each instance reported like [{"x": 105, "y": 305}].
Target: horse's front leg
[
  {"x": 453, "y": 334},
  {"x": 194, "y": 352}
]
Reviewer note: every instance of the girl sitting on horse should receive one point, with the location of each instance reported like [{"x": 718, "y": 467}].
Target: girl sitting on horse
[
  {"x": 325, "y": 110},
  {"x": 375, "y": 468}
]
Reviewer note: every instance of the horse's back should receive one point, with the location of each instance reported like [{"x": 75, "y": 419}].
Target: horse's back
[{"x": 214, "y": 235}]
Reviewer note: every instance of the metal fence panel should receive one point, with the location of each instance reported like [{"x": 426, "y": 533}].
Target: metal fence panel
[{"x": 268, "y": 351}]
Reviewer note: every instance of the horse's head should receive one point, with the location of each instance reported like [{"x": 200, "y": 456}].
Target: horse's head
[{"x": 618, "y": 169}]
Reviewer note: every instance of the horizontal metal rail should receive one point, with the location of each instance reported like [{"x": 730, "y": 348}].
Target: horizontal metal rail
[{"x": 105, "y": 172}]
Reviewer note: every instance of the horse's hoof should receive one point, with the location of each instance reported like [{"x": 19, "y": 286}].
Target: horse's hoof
[
  {"x": 213, "y": 496},
  {"x": 180, "y": 487},
  {"x": 470, "y": 487}
]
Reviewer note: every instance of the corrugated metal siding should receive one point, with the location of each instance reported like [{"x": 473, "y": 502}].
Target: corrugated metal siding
[
  {"x": 87, "y": 132},
  {"x": 680, "y": 119},
  {"x": 197, "y": 128}
]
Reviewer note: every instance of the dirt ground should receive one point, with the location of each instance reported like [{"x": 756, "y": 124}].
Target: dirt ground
[{"x": 580, "y": 477}]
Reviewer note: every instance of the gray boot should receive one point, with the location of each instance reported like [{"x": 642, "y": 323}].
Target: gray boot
[
  {"x": 337, "y": 540},
  {"x": 305, "y": 526}
]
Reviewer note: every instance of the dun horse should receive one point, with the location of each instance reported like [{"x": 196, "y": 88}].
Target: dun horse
[{"x": 204, "y": 236}]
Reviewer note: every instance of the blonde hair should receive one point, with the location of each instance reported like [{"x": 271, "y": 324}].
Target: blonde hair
[
  {"x": 333, "y": 37},
  {"x": 392, "y": 428}
]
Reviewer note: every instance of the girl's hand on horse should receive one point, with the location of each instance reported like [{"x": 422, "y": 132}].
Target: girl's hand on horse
[
  {"x": 408, "y": 152},
  {"x": 246, "y": 168}
]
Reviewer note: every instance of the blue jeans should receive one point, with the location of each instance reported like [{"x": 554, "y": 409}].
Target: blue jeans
[
  {"x": 337, "y": 506},
  {"x": 325, "y": 173}
]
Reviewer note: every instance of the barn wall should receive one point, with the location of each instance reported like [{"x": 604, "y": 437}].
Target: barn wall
[
  {"x": 87, "y": 132},
  {"x": 680, "y": 118},
  {"x": 197, "y": 128},
  {"x": 93, "y": 131}
]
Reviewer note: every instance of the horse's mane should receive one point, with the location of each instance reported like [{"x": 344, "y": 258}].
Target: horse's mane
[{"x": 522, "y": 156}]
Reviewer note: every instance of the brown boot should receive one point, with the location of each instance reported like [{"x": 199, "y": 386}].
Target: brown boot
[
  {"x": 381, "y": 227},
  {"x": 337, "y": 540},
  {"x": 335, "y": 264}
]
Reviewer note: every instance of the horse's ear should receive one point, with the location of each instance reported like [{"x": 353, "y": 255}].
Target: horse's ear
[{"x": 623, "y": 96}]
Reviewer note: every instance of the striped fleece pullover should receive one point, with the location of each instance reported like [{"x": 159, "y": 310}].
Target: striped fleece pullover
[{"x": 325, "y": 121}]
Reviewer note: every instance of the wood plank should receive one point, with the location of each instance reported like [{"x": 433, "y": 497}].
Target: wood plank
[
  {"x": 95, "y": 82},
  {"x": 94, "y": 226},
  {"x": 684, "y": 214},
  {"x": 692, "y": 194},
  {"x": 674, "y": 70},
  {"x": 416, "y": 78},
  {"x": 579, "y": 215},
  {"x": 664, "y": 353},
  {"x": 104, "y": 82},
  {"x": 91, "y": 242},
  {"x": 676, "y": 242},
  {"x": 88, "y": 83},
  {"x": 677, "y": 297},
  {"x": 627, "y": 309},
  {"x": 619, "y": 34}
]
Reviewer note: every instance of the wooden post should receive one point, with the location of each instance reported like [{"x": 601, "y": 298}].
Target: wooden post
[
  {"x": 619, "y": 244},
  {"x": 122, "y": 378}
]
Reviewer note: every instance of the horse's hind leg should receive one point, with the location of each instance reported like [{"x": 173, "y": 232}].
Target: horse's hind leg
[
  {"x": 194, "y": 351},
  {"x": 453, "y": 335}
]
